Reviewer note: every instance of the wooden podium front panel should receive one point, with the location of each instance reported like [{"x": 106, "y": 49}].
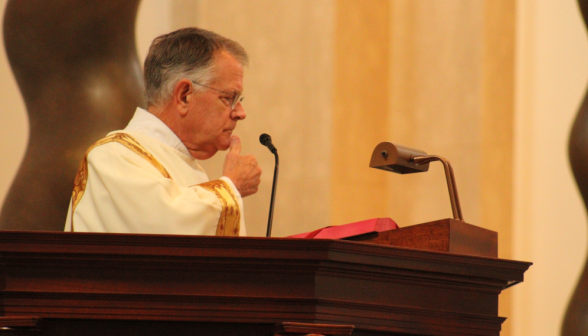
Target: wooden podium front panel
[{"x": 73, "y": 277}]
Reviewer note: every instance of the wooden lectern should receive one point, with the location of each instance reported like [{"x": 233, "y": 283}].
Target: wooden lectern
[{"x": 56, "y": 283}]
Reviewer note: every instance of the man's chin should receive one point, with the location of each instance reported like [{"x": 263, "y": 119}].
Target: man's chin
[
  {"x": 205, "y": 153},
  {"x": 224, "y": 144}
]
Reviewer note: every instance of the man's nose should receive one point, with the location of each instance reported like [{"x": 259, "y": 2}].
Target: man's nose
[{"x": 239, "y": 112}]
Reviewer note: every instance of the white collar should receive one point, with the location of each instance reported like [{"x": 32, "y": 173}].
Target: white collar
[{"x": 147, "y": 124}]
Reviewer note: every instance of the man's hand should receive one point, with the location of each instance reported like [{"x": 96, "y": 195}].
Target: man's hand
[{"x": 243, "y": 170}]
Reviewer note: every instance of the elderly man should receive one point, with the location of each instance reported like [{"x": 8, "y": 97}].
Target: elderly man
[{"x": 146, "y": 178}]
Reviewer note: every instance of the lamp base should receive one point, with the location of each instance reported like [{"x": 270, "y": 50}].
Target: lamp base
[{"x": 446, "y": 235}]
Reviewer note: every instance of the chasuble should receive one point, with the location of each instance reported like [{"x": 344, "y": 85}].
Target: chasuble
[{"x": 144, "y": 180}]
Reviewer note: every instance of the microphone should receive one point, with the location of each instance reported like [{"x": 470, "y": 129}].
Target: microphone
[{"x": 266, "y": 140}]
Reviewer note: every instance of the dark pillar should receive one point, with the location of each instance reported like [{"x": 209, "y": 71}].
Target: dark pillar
[
  {"x": 76, "y": 64},
  {"x": 576, "y": 318}
]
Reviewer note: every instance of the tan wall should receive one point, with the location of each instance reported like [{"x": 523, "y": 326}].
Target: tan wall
[
  {"x": 329, "y": 79},
  {"x": 360, "y": 110},
  {"x": 497, "y": 132},
  {"x": 14, "y": 131},
  {"x": 288, "y": 88},
  {"x": 436, "y": 103}
]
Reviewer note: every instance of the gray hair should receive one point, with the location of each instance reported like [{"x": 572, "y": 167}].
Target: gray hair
[{"x": 184, "y": 53}]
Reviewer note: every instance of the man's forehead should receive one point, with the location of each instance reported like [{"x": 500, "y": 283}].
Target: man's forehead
[{"x": 228, "y": 69}]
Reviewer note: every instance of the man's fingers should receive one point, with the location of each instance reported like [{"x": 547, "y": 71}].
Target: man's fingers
[{"x": 235, "y": 146}]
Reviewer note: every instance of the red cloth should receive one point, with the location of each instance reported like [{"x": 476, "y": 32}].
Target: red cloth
[{"x": 351, "y": 229}]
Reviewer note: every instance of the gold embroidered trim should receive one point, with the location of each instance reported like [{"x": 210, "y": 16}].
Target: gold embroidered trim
[
  {"x": 230, "y": 218},
  {"x": 128, "y": 141}
]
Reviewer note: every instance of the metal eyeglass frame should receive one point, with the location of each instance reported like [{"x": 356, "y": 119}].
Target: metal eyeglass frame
[{"x": 237, "y": 97}]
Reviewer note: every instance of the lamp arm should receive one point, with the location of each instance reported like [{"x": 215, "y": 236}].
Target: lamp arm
[{"x": 451, "y": 186}]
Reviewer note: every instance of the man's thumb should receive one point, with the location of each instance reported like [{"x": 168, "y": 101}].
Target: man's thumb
[{"x": 235, "y": 146}]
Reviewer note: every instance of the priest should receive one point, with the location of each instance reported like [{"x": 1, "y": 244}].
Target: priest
[{"x": 147, "y": 178}]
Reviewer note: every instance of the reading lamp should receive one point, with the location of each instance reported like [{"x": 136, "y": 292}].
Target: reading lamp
[{"x": 405, "y": 160}]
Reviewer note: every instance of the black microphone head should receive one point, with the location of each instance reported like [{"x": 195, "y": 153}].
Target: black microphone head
[
  {"x": 266, "y": 140},
  {"x": 263, "y": 138}
]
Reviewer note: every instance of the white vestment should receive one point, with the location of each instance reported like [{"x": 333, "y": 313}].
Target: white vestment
[{"x": 144, "y": 180}]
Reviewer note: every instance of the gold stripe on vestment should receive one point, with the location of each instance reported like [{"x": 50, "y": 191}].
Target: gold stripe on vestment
[
  {"x": 230, "y": 218},
  {"x": 128, "y": 141}
]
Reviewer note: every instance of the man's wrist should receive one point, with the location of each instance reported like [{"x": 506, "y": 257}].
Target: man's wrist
[{"x": 231, "y": 185}]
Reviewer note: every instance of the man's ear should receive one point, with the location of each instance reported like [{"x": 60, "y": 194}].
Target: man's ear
[{"x": 182, "y": 95}]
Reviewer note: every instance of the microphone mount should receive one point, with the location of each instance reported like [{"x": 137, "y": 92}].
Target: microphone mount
[{"x": 266, "y": 140}]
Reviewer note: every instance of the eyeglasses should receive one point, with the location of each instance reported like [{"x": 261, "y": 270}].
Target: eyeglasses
[{"x": 236, "y": 99}]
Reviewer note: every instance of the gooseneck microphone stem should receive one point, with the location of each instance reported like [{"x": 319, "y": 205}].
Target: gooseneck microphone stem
[
  {"x": 274, "y": 184},
  {"x": 266, "y": 140}
]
